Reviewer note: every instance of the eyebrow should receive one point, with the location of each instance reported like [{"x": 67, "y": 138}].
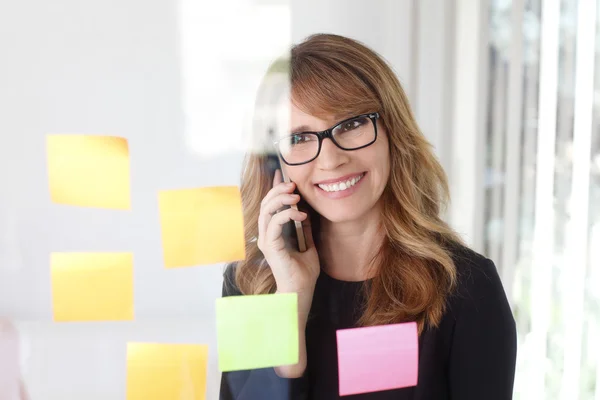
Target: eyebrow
[
  {"x": 306, "y": 128},
  {"x": 302, "y": 128}
]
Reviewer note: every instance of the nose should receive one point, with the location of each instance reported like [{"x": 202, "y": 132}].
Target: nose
[{"x": 331, "y": 156}]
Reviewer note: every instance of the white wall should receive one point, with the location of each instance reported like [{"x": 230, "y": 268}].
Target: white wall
[
  {"x": 144, "y": 70},
  {"x": 384, "y": 25}
]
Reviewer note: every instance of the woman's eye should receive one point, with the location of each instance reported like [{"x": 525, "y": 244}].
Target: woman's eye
[
  {"x": 348, "y": 126},
  {"x": 296, "y": 139}
]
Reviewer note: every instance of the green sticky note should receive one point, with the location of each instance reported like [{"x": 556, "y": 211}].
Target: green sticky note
[{"x": 257, "y": 331}]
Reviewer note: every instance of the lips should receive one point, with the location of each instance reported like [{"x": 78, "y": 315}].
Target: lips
[
  {"x": 338, "y": 185},
  {"x": 340, "y": 179}
]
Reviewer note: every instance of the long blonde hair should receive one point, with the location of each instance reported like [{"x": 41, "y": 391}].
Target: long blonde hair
[{"x": 334, "y": 75}]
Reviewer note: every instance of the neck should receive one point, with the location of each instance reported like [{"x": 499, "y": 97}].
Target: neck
[{"x": 347, "y": 248}]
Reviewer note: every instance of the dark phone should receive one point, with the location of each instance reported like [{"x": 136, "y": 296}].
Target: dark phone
[{"x": 293, "y": 229}]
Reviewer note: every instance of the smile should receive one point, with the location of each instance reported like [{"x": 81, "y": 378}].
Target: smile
[{"x": 342, "y": 185}]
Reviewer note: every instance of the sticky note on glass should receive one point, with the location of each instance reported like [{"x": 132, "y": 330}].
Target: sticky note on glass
[
  {"x": 257, "y": 331},
  {"x": 377, "y": 358},
  {"x": 166, "y": 371},
  {"x": 92, "y": 286},
  {"x": 201, "y": 226},
  {"x": 89, "y": 171}
]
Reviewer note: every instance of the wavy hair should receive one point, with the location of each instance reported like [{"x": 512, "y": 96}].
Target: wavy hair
[{"x": 415, "y": 272}]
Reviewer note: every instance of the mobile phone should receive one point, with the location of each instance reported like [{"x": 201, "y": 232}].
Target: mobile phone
[{"x": 300, "y": 239}]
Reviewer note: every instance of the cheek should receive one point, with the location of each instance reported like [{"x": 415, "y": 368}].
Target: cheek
[
  {"x": 383, "y": 155},
  {"x": 379, "y": 158},
  {"x": 300, "y": 174},
  {"x": 386, "y": 164},
  {"x": 378, "y": 162}
]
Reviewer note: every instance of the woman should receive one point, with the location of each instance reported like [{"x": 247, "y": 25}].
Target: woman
[{"x": 373, "y": 192}]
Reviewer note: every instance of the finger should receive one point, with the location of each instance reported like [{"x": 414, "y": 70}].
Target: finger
[
  {"x": 272, "y": 208},
  {"x": 275, "y": 228},
  {"x": 277, "y": 177},
  {"x": 278, "y": 202},
  {"x": 276, "y": 191}
]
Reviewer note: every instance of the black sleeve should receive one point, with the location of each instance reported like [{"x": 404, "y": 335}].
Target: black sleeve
[
  {"x": 484, "y": 345},
  {"x": 257, "y": 384}
]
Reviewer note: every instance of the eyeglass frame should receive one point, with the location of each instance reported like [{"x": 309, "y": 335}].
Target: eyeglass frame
[{"x": 328, "y": 133}]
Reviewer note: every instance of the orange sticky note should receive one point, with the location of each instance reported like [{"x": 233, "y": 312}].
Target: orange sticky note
[
  {"x": 92, "y": 286},
  {"x": 201, "y": 226},
  {"x": 166, "y": 371},
  {"x": 89, "y": 171}
]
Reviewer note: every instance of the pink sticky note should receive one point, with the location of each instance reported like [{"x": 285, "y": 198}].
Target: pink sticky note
[{"x": 377, "y": 358}]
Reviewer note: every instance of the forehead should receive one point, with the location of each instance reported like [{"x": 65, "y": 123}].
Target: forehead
[
  {"x": 299, "y": 116},
  {"x": 292, "y": 117}
]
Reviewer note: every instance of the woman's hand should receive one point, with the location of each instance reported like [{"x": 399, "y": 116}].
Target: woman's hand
[{"x": 294, "y": 272}]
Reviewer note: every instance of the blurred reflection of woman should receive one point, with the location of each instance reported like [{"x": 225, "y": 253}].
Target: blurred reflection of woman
[
  {"x": 11, "y": 384},
  {"x": 379, "y": 252}
]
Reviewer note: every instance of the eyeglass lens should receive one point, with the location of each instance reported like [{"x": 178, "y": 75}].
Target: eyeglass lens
[{"x": 348, "y": 135}]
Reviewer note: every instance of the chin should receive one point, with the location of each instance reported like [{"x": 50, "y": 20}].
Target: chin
[{"x": 341, "y": 215}]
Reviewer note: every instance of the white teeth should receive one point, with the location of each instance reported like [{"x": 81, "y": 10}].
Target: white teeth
[{"x": 339, "y": 186}]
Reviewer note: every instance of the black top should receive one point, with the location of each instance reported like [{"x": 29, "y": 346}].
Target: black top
[{"x": 470, "y": 356}]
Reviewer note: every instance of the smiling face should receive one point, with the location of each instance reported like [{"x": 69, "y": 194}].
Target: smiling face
[{"x": 340, "y": 185}]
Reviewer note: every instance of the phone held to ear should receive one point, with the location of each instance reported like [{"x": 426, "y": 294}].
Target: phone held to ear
[{"x": 299, "y": 230}]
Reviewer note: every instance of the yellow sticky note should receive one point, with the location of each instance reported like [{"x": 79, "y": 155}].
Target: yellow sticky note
[
  {"x": 166, "y": 371},
  {"x": 201, "y": 226},
  {"x": 89, "y": 171},
  {"x": 92, "y": 286}
]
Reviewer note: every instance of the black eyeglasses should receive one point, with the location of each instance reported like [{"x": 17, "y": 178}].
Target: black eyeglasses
[{"x": 350, "y": 134}]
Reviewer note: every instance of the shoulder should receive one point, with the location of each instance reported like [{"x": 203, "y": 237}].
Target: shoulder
[
  {"x": 476, "y": 274},
  {"x": 482, "y": 335},
  {"x": 479, "y": 288}
]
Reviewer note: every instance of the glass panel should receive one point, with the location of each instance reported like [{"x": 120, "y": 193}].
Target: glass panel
[
  {"x": 531, "y": 79},
  {"x": 590, "y": 373},
  {"x": 562, "y": 186},
  {"x": 558, "y": 373},
  {"x": 496, "y": 127}
]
